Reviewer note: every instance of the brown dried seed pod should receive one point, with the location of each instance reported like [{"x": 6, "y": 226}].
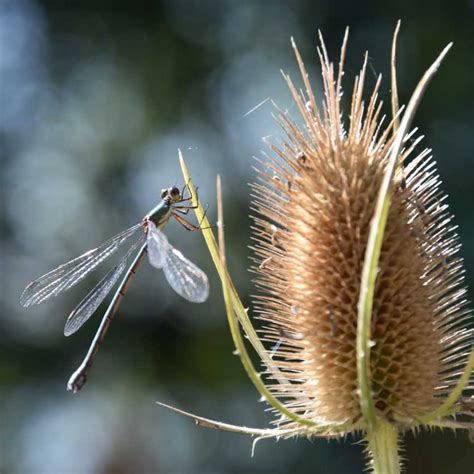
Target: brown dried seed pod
[{"x": 310, "y": 240}]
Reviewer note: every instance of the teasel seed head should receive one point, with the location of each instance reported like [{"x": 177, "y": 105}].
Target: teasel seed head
[{"x": 314, "y": 201}]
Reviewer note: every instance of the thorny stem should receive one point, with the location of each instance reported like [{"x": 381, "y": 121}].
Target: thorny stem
[{"x": 383, "y": 445}]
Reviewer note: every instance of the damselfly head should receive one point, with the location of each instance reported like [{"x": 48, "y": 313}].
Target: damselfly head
[{"x": 173, "y": 194}]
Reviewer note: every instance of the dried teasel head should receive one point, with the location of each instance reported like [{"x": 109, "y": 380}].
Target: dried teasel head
[
  {"x": 361, "y": 288},
  {"x": 314, "y": 202}
]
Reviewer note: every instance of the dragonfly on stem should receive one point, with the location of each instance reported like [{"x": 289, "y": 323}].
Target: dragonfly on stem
[{"x": 183, "y": 276}]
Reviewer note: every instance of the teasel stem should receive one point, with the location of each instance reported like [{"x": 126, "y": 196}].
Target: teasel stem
[{"x": 383, "y": 446}]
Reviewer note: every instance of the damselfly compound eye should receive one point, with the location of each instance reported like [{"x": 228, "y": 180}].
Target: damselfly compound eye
[
  {"x": 175, "y": 192},
  {"x": 164, "y": 193}
]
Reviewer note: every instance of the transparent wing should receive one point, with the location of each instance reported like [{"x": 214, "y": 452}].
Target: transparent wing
[
  {"x": 65, "y": 276},
  {"x": 184, "y": 277},
  {"x": 86, "y": 308},
  {"x": 157, "y": 246}
]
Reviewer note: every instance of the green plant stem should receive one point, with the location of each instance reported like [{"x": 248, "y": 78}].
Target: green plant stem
[{"x": 383, "y": 445}]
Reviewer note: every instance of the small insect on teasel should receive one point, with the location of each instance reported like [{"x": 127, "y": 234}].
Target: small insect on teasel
[
  {"x": 301, "y": 157},
  {"x": 183, "y": 276}
]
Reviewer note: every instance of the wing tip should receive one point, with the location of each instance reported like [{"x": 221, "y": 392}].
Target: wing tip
[
  {"x": 68, "y": 327},
  {"x": 26, "y": 299}
]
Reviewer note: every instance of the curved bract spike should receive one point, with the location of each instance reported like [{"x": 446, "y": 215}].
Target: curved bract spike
[{"x": 374, "y": 246}]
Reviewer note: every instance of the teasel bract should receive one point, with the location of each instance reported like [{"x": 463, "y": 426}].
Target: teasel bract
[{"x": 361, "y": 288}]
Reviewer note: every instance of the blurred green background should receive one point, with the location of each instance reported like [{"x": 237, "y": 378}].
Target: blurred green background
[{"x": 95, "y": 99}]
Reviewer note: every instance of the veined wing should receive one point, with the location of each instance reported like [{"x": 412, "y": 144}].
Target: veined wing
[
  {"x": 67, "y": 275},
  {"x": 157, "y": 246},
  {"x": 184, "y": 277},
  {"x": 87, "y": 307}
]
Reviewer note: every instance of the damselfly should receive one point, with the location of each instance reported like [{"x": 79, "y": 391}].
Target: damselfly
[{"x": 183, "y": 276}]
